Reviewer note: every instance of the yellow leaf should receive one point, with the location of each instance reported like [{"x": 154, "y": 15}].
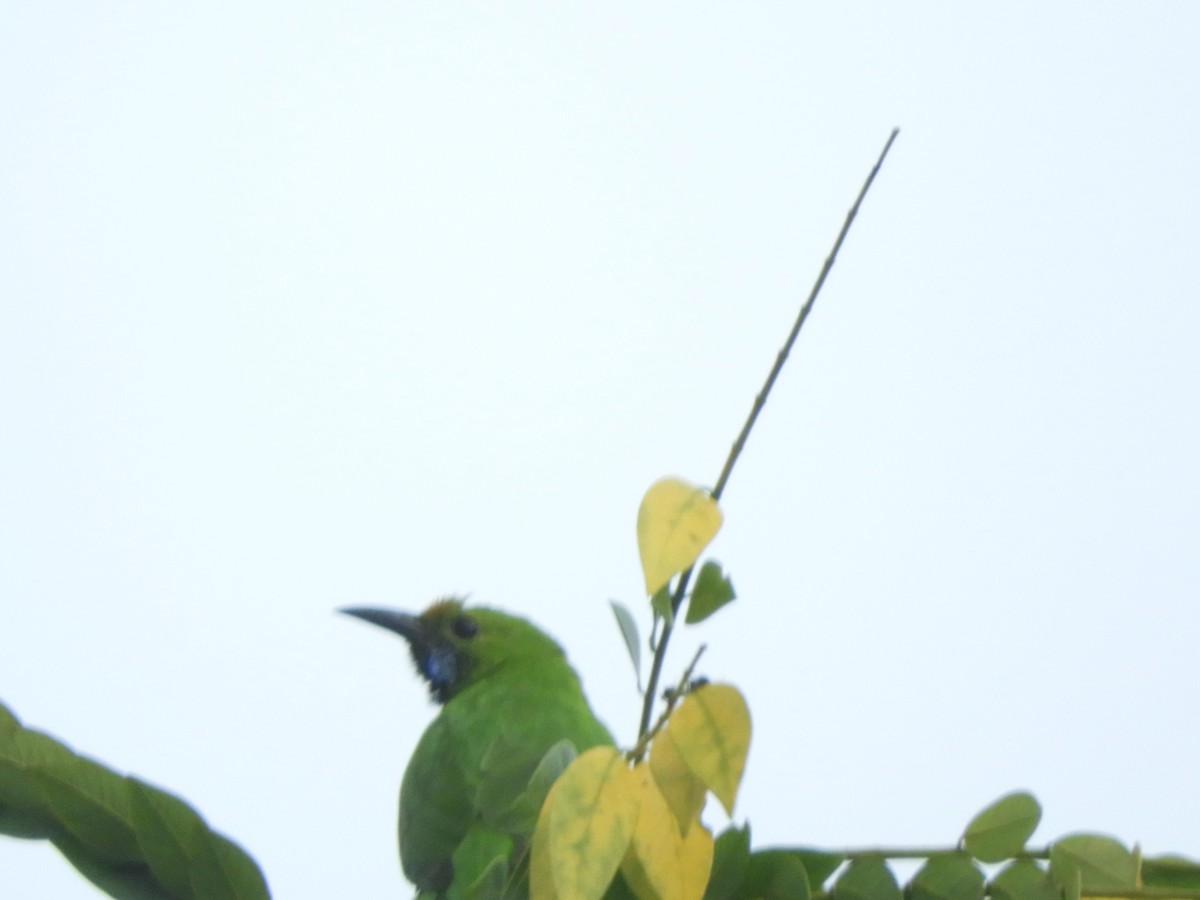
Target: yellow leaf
[
  {"x": 541, "y": 877},
  {"x": 712, "y": 730},
  {"x": 661, "y": 865},
  {"x": 695, "y": 861},
  {"x": 680, "y": 787},
  {"x": 675, "y": 523},
  {"x": 584, "y": 827}
]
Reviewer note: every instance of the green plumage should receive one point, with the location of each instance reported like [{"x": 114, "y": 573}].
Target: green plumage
[{"x": 466, "y": 802}]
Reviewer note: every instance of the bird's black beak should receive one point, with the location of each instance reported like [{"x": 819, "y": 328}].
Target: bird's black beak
[
  {"x": 436, "y": 660},
  {"x": 406, "y": 625}
]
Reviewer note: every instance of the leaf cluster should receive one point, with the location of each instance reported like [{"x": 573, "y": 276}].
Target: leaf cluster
[
  {"x": 995, "y": 841},
  {"x": 639, "y": 813},
  {"x": 127, "y": 837},
  {"x": 610, "y": 812}
]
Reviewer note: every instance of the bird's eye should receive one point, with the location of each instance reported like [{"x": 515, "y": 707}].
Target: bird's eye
[{"x": 465, "y": 627}]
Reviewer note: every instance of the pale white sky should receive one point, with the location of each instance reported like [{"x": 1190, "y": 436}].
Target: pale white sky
[{"x": 312, "y": 305}]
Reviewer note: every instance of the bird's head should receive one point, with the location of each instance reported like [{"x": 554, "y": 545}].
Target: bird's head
[{"x": 454, "y": 647}]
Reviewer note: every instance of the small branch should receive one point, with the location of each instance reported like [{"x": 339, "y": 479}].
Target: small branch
[
  {"x": 923, "y": 852},
  {"x": 639, "y": 749},
  {"x": 761, "y": 400},
  {"x": 735, "y": 451}
]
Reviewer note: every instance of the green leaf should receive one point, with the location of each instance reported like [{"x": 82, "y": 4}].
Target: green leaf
[
  {"x": 1023, "y": 879},
  {"x": 222, "y": 869},
  {"x": 737, "y": 875},
  {"x": 1100, "y": 861},
  {"x": 731, "y": 856},
  {"x": 124, "y": 880},
  {"x": 92, "y": 804},
  {"x": 774, "y": 875},
  {"x": 866, "y": 878},
  {"x": 1067, "y": 877},
  {"x": 712, "y": 591},
  {"x": 131, "y": 840},
  {"x": 21, "y": 751},
  {"x": 818, "y": 864},
  {"x": 186, "y": 857},
  {"x": 166, "y": 828},
  {"x": 1001, "y": 830},
  {"x": 629, "y": 631},
  {"x": 661, "y": 604},
  {"x": 1171, "y": 872},
  {"x": 950, "y": 877}
]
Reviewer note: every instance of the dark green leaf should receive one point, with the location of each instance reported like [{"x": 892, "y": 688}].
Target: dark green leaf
[
  {"x": 222, "y": 869},
  {"x": 866, "y": 878},
  {"x": 132, "y": 840},
  {"x": 1000, "y": 831},
  {"x": 774, "y": 875},
  {"x": 731, "y": 856},
  {"x": 629, "y": 631},
  {"x": 1023, "y": 879},
  {"x": 127, "y": 881},
  {"x": 712, "y": 591},
  {"x": 1171, "y": 872},
  {"x": 92, "y": 804},
  {"x": 167, "y": 830},
  {"x": 950, "y": 877},
  {"x": 185, "y": 855},
  {"x": 21, "y": 751},
  {"x": 818, "y": 865},
  {"x": 23, "y": 810},
  {"x": 1100, "y": 861}
]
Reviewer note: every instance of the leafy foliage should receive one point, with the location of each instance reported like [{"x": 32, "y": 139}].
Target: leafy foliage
[
  {"x": 128, "y": 838},
  {"x": 867, "y": 878},
  {"x": 1075, "y": 866},
  {"x": 603, "y": 814}
]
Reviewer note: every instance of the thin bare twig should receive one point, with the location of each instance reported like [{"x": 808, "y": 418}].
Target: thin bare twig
[{"x": 760, "y": 401}]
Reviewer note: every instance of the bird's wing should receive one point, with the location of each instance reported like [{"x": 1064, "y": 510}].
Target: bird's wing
[{"x": 436, "y": 811}]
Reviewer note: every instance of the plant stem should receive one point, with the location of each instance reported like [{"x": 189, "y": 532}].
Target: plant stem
[
  {"x": 735, "y": 451},
  {"x": 761, "y": 400},
  {"x": 924, "y": 852}
]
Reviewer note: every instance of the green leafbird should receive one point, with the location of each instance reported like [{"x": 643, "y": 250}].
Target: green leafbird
[{"x": 508, "y": 695}]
